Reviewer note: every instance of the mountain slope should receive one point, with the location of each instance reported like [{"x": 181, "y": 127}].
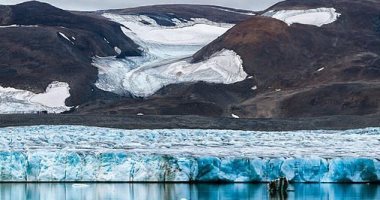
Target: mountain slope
[
  {"x": 304, "y": 70},
  {"x": 295, "y": 59},
  {"x": 164, "y": 14},
  {"x": 88, "y": 53},
  {"x": 41, "y": 44}
]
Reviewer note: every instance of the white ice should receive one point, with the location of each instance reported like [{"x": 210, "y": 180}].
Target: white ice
[
  {"x": 195, "y": 32},
  {"x": 165, "y": 59},
  {"x": 317, "y": 17},
  {"x": 223, "y": 67},
  {"x": 78, "y": 153},
  {"x": 22, "y": 101}
]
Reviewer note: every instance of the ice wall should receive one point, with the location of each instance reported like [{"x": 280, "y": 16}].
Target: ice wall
[
  {"x": 77, "y": 153},
  {"x": 137, "y": 167}
]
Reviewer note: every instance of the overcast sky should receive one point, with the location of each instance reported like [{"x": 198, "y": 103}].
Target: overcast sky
[{"x": 107, "y": 4}]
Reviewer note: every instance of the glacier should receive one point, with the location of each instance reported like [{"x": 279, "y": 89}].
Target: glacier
[
  {"x": 166, "y": 56},
  {"x": 79, "y": 153},
  {"x": 14, "y": 101},
  {"x": 316, "y": 17}
]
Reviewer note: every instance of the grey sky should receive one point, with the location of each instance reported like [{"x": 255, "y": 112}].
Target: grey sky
[{"x": 106, "y": 4}]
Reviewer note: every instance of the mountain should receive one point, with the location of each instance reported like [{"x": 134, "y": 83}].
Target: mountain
[
  {"x": 301, "y": 59},
  {"x": 307, "y": 68},
  {"x": 81, "y": 58},
  {"x": 48, "y": 53},
  {"x": 41, "y": 44},
  {"x": 165, "y": 15},
  {"x": 296, "y": 59}
]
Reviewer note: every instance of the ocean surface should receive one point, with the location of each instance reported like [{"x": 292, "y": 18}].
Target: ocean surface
[{"x": 121, "y": 191}]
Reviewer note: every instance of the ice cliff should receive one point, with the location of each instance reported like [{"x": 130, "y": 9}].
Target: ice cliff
[{"x": 77, "y": 153}]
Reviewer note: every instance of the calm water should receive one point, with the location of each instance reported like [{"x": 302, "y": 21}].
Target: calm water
[{"x": 181, "y": 191}]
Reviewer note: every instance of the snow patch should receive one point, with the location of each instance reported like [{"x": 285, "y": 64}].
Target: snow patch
[
  {"x": 316, "y": 17},
  {"x": 117, "y": 50},
  {"x": 64, "y": 36},
  {"x": 234, "y": 11},
  {"x": 22, "y": 101},
  {"x": 235, "y": 116},
  {"x": 19, "y": 26},
  {"x": 320, "y": 69}
]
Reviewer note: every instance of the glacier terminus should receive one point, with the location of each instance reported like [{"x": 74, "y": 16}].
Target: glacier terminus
[{"x": 91, "y": 154}]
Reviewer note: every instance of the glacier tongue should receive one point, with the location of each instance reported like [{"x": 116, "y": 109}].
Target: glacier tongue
[
  {"x": 77, "y": 153},
  {"x": 166, "y": 57}
]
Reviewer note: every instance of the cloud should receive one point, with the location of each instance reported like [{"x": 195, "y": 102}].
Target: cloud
[{"x": 108, "y": 4}]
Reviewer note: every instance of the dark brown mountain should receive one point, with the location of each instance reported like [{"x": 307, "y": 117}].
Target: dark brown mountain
[
  {"x": 36, "y": 52},
  {"x": 299, "y": 70},
  {"x": 317, "y": 71},
  {"x": 163, "y": 14}
]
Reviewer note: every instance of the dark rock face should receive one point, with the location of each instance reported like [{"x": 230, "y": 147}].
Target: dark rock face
[
  {"x": 303, "y": 70},
  {"x": 34, "y": 55},
  {"x": 163, "y": 14}
]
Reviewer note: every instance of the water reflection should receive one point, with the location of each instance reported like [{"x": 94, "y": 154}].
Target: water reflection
[{"x": 181, "y": 191}]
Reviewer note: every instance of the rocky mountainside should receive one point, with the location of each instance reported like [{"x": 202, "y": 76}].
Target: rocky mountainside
[
  {"x": 41, "y": 44},
  {"x": 55, "y": 60},
  {"x": 164, "y": 14},
  {"x": 302, "y": 69},
  {"x": 302, "y": 59},
  {"x": 296, "y": 59}
]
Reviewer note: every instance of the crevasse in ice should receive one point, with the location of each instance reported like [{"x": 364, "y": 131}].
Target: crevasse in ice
[{"x": 77, "y": 153}]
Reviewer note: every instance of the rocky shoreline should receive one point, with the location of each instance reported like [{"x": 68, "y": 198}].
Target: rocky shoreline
[{"x": 192, "y": 122}]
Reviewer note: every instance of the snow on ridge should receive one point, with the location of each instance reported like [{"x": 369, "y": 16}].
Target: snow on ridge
[
  {"x": 19, "y": 26},
  {"x": 316, "y": 17},
  {"x": 22, "y": 101},
  {"x": 64, "y": 36},
  {"x": 234, "y": 11}
]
